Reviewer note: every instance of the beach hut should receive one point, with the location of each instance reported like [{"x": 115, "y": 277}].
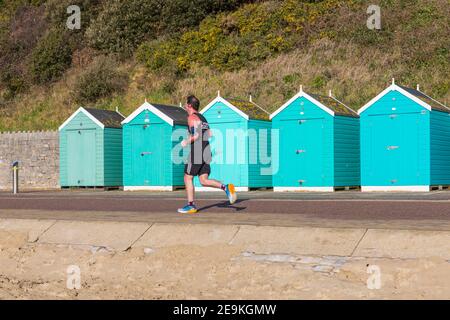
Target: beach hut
[
  {"x": 90, "y": 146},
  {"x": 240, "y": 144},
  {"x": 405, "y": 141},
  {"x": 318, "y": 144},
  {"x": 152, "y": 155}
]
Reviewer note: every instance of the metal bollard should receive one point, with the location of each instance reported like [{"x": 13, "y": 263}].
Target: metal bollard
[{"x": 15, "y": 177}]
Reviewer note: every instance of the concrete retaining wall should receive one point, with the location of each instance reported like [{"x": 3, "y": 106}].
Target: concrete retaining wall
[
  {"x": 121, "y": 236},
  {"x": 38, "y": 155}
]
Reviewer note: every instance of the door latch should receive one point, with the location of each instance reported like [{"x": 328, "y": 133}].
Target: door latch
[
  {"x": 392, "y": 147},
  {"x": 144, "y": 153},
  {"x": 301, "y": 181},
  {"x": 394, "y": 181},
  {"x": 300, "y": 151}
]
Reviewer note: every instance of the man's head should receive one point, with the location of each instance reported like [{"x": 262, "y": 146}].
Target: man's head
[{"x": 192, "y": 104}]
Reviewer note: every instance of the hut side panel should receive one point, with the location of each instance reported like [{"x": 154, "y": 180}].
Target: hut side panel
[
  {"x": 346, "y": 152},
  {"x": 440, "y": 148},
  {"x": 113, "y": 157},
  {"x": 179, "y": 155},
  {"x": 259, "y": 154}
]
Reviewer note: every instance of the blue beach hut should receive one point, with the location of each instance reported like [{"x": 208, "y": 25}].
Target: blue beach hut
[
  {"x": 90, "y": 147},
  {"x": 240, "y": 144},
  {"x": 405, "y": 141},
  {"x": 318, "y": 144},
  {"x": 152, "y": 156}
]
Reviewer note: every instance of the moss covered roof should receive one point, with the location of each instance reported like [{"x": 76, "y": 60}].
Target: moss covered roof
[
  {"x": 251, "y": 109},
  {"x": 335, "y": 105},
  {"x": 435, "y": 105}
]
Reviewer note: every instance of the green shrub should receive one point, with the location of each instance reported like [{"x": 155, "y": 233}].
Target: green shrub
[
  {"x": 100, "y": 80},
  {"x": 319, "y": 82},
  {"x": 122, "y": 25},
  {"x": 231, "y": 41},
  {"x": 180, "y": 15},
  {"x": 14, "y": 83},
  {"x": 51, "y": 57}
]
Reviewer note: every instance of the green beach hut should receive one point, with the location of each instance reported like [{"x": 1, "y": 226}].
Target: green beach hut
[
  {"x": 152, "y": 155},
  {"x": 318, "y": 144},
  {"x": 90, "y": 146},
  {"x": 240, "y": 143},
  {"x": 405, "y": 141}
]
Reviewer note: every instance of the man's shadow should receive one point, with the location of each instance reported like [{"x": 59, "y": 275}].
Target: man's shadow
[{"x": 224, "y": 204}]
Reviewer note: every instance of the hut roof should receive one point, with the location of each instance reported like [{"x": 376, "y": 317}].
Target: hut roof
[
  {"x": 251, "y": 109},
  {"x": 335, "y": 105},
  {"x": 177, "y": 114},
  {"x": 110, "y": 119},
  {"x": 171, "y": 114},
  {"x": 435, "y": 105}
]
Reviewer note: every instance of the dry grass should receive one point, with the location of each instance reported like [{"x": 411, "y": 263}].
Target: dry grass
[
  {"x": 351, "y": 76},
  {"x": 355, "y": 64}
]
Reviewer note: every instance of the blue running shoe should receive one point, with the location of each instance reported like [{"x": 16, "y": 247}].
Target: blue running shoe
[
  {"x": 188, "y": 209},
  {"x": 231, "y": 193}
]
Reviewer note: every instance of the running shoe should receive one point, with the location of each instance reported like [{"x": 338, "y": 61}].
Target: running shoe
[
  {"x": 231, "y": 193},
  {"x": 188, "y": 209}
]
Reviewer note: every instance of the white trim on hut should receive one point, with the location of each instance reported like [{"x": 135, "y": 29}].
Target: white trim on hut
[
  {"x": 83, "y": 110},
  {"x": 147, "y": 106},
  {"x": 300, "y": 94}
]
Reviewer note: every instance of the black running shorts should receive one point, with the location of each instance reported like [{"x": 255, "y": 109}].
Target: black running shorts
[{"x": 197, "y": 169}]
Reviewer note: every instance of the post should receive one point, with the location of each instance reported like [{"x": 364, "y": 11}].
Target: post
[{"x": 15, "y": 177}]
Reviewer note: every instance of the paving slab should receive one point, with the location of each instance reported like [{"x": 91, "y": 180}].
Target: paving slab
[
  {"x": 165, "y": 235},
  {"x": 404, "y": 244},
  {"x": 113, "y": 235},
  {"x": 31, "y": 227},
  {"x": 294, "y": 240}
]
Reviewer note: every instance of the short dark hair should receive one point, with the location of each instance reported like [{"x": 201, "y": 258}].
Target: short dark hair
[{"x": 194, "y": 102}]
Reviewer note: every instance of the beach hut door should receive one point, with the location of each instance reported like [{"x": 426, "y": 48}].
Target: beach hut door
[
  {"x": 146, "y": 154},
  {"x": 304, "y": 149},
  {"x": 81, "y": 157},
  {"x": 396, "y": 149}
]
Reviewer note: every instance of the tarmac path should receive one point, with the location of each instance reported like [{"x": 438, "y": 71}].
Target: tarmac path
[{"x": 344, "y": 209}]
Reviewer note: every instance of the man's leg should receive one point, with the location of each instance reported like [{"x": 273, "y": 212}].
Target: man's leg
[
  {"x": 228, "y": 188},
  {"x": 206, "y": 182},
  {"x": 189, "y": 183}
]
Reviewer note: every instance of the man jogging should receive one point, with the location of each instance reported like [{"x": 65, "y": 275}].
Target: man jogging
[{"x": 199, "y": 159}]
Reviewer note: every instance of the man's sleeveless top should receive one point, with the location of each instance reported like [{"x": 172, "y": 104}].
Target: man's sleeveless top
[{"x": 200, "y": 149}]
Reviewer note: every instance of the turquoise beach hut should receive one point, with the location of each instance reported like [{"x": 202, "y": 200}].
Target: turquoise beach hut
[
  {"x": 240, "y": 144},
  {"x": 405, "y": 141},
  {"x": 318, "y": 144},
  {"x": 90, "y": 146},
  {"x": 152, "y": 155}
]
